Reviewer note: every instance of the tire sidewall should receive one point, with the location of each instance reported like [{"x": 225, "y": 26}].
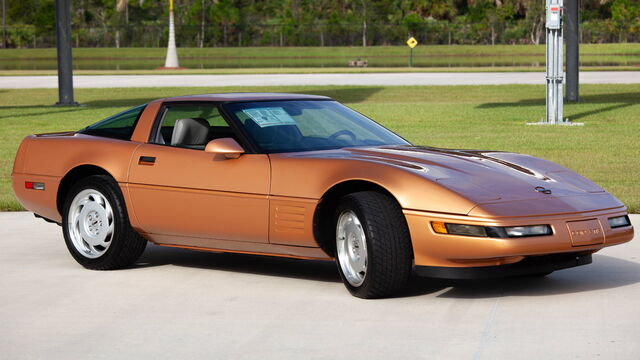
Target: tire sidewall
[{"x": 111, "y": 192}]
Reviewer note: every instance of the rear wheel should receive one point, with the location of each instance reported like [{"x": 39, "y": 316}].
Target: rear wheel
[
  {"x": 96, "y": 226},
  {"x": 373, "y": 246}
]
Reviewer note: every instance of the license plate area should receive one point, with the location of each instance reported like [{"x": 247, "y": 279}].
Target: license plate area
[{"x": 585, "y": 232}]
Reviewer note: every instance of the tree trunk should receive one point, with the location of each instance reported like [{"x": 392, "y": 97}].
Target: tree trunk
[
  {"x": 364, "y": 33},
  {"x": 4, "y": 25},
  {"x": 493, "y": 34},
  {"x": 364, "y": 23},
  {"x": 202, "y": 24},
  {"x": 536, "y": 31},
  {"x": 224, "y": 35}
]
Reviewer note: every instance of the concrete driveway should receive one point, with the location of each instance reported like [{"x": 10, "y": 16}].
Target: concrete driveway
[{"x": 178, "y": 304}]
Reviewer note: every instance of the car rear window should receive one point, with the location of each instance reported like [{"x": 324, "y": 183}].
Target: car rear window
[{"x": 119, "y": 126}]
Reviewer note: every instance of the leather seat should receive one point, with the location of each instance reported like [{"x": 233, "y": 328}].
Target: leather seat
[{"x": 190, "y": 132}]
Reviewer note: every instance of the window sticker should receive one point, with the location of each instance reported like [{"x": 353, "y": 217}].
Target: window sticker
[{"x": 269, "y": 116}]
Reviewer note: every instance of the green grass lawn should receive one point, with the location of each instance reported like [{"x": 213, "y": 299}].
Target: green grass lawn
[
  {"x": 481, "y": 117},
  {"x": 431, "y": 56}
]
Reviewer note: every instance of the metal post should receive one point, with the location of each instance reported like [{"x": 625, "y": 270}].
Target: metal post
[
  {"x": 554, "y": 73},
  {"x": 573, "y": 53},
  {"x": 411, "y": 57},
  {"x": 63, "y": 43},
  {"x": 554, "y": 61}
]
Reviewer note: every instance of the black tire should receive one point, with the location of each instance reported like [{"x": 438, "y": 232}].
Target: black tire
[
  {"x": 388, "y": 244},
  {"x": 125, "y": 244}
]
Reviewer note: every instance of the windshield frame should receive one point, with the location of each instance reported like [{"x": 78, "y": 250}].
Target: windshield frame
[{"x": 232, "y": 118}]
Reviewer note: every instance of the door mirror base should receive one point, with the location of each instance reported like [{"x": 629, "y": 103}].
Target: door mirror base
[{"x": 227, "y": 147}]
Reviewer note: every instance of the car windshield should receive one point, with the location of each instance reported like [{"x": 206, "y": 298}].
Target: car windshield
[{"x": 306, "y": 125}]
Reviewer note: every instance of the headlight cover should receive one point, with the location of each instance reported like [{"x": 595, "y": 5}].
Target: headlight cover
[
  {"x": 619, "y": 221},
  {"x": 491, "y": 231}
]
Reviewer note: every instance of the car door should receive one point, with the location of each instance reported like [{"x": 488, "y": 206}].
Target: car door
[{"x": 178, "y": 189}]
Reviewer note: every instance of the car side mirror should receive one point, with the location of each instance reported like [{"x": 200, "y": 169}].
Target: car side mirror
[{"x": 225, "y": 146}]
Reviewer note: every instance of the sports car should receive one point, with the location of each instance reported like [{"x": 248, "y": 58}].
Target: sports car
[{"x": 303, "y": 176}]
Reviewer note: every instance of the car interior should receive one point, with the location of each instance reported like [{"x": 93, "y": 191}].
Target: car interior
[{"x": 192, "y": 133}]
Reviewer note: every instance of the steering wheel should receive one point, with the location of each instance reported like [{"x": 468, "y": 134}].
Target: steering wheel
[{"x": 345, "y": 132}]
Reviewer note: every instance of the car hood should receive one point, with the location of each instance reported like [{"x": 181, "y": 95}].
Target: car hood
[{"x": 483, "y": 176}]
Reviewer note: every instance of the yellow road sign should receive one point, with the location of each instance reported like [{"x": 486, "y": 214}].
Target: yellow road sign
[{"x": 412, "y": 42}]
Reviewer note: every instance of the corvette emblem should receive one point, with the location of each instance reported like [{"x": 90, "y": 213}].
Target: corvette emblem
[{"x": 543, "y": 190}]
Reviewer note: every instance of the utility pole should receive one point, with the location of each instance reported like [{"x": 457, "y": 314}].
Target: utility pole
[
  {"x": 554, "y": 61},
  {"x": 573, "y": 52},
  {"x": 63, "y": 44},
  {"x": 554, "y": 74}
]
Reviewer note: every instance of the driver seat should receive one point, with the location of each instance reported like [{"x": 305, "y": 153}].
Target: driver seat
[{"x": 192, "y": 133}]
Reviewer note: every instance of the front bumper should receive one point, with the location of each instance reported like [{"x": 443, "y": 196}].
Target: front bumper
[
  {"x": 445, "y": 250},
  {"x": 541, "y": 264}
]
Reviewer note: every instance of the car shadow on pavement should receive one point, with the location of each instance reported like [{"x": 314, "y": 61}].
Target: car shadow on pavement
[
  {"x": 605, "y": 272},
  {"x": 314, "y": 270}
]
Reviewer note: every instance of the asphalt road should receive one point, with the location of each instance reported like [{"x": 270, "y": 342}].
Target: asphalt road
[
  {"x": 178, "y": 304},
  {"x": 373, "y": 79}
]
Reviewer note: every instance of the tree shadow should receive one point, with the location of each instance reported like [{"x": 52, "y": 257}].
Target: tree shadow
[
  {"x": 609, "y": 102},
  {"x": 350, "y": 95},
  {"x": 53, "y": 109},
  {"x": 342, "y": 94}
]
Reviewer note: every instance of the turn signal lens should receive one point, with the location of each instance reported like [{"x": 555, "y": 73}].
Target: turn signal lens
[
  {"x": 439, "y": 227},
  {"x": 619, "y": 221}
]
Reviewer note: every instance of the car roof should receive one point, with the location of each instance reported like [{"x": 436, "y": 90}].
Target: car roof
[{"x": 241, "y": 97}]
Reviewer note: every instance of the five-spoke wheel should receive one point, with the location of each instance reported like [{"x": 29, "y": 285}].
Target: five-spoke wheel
[
  {"x": 90, "y": 223},
  {"x": 96, "y": 226}
]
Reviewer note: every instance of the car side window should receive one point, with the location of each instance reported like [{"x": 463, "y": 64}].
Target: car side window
[{"x": 192, "y": 126}]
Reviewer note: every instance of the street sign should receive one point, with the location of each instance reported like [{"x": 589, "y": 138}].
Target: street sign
[{"x": 412, "y": 42}]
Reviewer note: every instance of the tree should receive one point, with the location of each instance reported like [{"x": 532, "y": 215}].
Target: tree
[{"x": 625, "y": 16}]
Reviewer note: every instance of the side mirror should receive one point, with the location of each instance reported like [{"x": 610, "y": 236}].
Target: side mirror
[{"x": 225, "y": 146}]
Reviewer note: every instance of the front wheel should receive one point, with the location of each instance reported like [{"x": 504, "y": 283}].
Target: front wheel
[
  {"x": 96, "y": 227},
  {"x": 373, "y": 246}
]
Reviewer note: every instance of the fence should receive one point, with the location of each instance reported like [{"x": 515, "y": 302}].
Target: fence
[{"x": 317, "y": 34}]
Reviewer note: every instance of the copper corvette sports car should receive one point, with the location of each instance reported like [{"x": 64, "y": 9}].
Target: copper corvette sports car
[{"x": 305, "y": 177}]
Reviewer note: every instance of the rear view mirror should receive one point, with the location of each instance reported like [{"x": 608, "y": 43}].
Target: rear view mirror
[{"x": 225, "y": 146}]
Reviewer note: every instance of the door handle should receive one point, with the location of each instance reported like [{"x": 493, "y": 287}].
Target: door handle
[{"x": 147, "y": 160}]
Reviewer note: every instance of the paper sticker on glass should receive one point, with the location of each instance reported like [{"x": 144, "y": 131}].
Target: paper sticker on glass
[{"x": 269, "y": 116}]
